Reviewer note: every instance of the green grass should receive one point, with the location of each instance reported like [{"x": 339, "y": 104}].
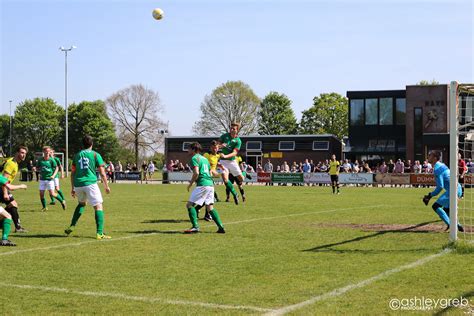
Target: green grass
[{"x": 284, "y": 246}]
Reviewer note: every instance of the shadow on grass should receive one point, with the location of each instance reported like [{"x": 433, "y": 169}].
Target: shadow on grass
[
  {"x": 40, "y": 235},
  {"x": 328, "y": 247},
  {"x": 468, "y": 309},
  {"x": 158, "y": 221},
  {"x": 168, "y": 232}
]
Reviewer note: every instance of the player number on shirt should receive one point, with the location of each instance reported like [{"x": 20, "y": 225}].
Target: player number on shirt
[{"x": 84, "y": 163}]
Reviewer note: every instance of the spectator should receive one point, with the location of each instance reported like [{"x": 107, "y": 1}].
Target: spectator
[
  {"x": 119, "y": 167},
  {"x": 399, "y": 167},
  {"x": 151, "y": 169},
  {"x": 417, "y": 167},
  {"x": 383, "y": 168},
  {"x": 285, "y": 167},
  {"x": 30, "y": 168},
  {"x": 278, "y": 169},
  {"x": 181, "y": 167},
  {"x": 366, "y": 168},
  {"x": 391, "y": 166},
  {"x": 462, "y": 169},
  {"x": 134, "y": 168},
  {"x": 36, "y": 170},
  {"x": 347, "y": 167},
  {"x": 268, "y": 167},
  {"x": 188, "y": 168},
  {"x": 306, "y": 166},
  {"x": 170, "y": 166},
  {"x": 470, "y": 165},
  {"x": 250, "y": 168},
  {"x": 408, "y": 167},
  {"x": 259, "y": 168},
  {"x": 355, "y": 167},
  {"x": 110, "y": 171}
]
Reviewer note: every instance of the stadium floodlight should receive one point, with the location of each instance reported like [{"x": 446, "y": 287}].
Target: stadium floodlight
[
  {"x": 461, "y": 138},
  {"x": 66, "y": 50}
]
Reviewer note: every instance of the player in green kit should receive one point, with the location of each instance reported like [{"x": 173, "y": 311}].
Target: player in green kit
[
  {"x": 5, "y": 217},
  {"x": 231, "y": 144},
  {"x": 56, "y": 179},
  {"x": 48, "y": 172},
  {"x": 203, "y": 193},
  {"x": 84, "y": 185}
]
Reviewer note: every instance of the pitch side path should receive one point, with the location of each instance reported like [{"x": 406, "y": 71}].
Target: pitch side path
[{"x": 288, "y": 250}]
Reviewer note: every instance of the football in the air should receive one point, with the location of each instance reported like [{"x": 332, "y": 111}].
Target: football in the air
[{"x": 158, "y": 14}]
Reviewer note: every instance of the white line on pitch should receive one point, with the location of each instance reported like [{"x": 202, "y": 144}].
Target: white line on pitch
[
  {"x": 134, "y": 298},
  {"x": 350, "y": 287},
  {"x": 152, "y": 234}
]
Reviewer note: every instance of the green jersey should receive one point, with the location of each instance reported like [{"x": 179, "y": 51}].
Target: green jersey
[
  {"x": 47, "y": 168},
  {"x": 204, "y": 179},
  {"x": 3, "y": 180},
  {"x": 230, "y": 144},
  {"x": 58, "y": 163},
  {"x": 85, "y": 164}
]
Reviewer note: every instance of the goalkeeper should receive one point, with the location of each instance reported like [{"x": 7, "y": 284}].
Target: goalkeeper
[{"x": 442, "y": 177}]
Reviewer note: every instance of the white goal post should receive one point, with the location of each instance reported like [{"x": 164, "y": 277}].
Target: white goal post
[{"x": 461, "y": 130}]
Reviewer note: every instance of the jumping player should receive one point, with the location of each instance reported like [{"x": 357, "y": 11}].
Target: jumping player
[
  {"x": 442, "y": 177},
  {"x": 231, "y": 144},
  {"x": 84, "y": 185},
  {"x": 203, "y": 193}
]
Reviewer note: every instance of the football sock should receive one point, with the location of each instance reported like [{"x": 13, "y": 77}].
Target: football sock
[
  {"x": 77, "y": 214},
  {"x": 99, "y": 221},
  {"x": 52, "y": 198},
  {"x": 231, "y": 188},
  {"x": 216, "y": 218},
  {"x": 442, "y": 214},
  {"x": 59, "y": 198},
  {"x": 15, "y": 216},
  {"x": 193, "y": 217},
  {"x": 215, "y": 196},
  {"x": 43, "y": 202},
  {"x": 242, "y": 191},
  {"x": 333, "y": 189},
  {"x": 60, "y": 193},
  {"x": 7, "y": 226}
]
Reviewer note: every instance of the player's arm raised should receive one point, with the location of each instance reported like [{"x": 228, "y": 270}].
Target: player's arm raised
[{"x": 194, "y": 177}]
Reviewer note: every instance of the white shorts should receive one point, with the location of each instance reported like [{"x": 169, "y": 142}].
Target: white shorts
[
  {"x": 56, "y": 182},
  {"x": 202, "y": 196},
  {"x": 232, "y": 166},
  {"x": 90, "y": 193},
  {"x": 46, "y": 185}
]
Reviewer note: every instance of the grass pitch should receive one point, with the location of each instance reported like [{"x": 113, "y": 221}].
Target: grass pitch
[{"x": 286, "y": 246}]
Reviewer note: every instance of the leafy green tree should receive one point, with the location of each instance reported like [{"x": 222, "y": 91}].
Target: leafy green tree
[
  {"x": 233, "y": 101},
  {"x": 91, "y": 118},
  {"x": 5, "y": 133},
  {"x": 37, "y": 123},
  {"x": 276, "y": 117},
  {"x": 327, "y": 115}
]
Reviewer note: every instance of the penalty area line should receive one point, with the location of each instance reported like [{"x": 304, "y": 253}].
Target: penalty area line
[
  {"x": 134, "y": 298},
  {"x": 350, "y": 287}
]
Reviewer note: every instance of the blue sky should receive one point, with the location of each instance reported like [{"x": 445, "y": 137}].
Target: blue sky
[{"x": 300, "y": 48}]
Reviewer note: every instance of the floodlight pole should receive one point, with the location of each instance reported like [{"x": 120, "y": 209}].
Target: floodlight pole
[
  {"x": 66, "y": 50},
  {"x": 11, "y": 126}
]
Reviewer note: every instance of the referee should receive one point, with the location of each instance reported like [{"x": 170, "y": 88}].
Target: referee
[{"x": 334, "y": 173}]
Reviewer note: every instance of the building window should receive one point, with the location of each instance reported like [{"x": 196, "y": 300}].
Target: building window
[
  {"x": 400, "y": 112},
  {"x": 468, "y": 105},
  {"x": 186, "y": 146},
  {"x": 254, "y": 146},
  {"x": 317, "y": 145},
  {"x": 371, "y": 112},
  {"x": 386, "y": 111},
  {"x": 286, "y": 145},
  {"x": 357, "y": 112}
]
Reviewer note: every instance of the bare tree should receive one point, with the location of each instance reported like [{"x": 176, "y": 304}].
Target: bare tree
[
  {"x": 134, "y": 111},
  {"x": 233, "y": 101}
]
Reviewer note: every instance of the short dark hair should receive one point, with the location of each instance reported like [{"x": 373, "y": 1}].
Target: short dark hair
[
  {"x": 214, "y": 143},
  {"x": 22, "y": 147},
  {"x": 196, "y": 147},
  {"x": 436, "y": 154},
  {"x": 87, "y": 141}
]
